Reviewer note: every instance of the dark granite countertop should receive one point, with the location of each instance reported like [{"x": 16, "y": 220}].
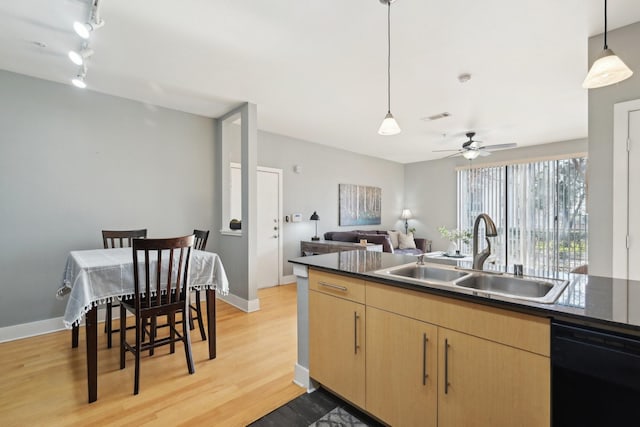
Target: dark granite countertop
[{"x": 598, "y": 301}]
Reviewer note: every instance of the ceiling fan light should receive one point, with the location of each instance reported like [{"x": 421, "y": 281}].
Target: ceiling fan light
[
  {"x": 389, "y": 126},
  {"x": 471, "y": 154},
  {"x": 606, "y": 70}
]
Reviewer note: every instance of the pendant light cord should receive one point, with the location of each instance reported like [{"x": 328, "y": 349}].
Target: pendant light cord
[
  {"x": 389, "y": 56},
  {"x": 605, "y": 25}
]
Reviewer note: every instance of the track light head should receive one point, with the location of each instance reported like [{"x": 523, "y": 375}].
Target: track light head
[
  {"x": 79, "y": 58},
  {"x": 79, "y": 80},
  {"x": 84, "y": 29}
]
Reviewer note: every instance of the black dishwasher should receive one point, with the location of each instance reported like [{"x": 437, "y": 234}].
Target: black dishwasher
[{"x": 595, "y": 377}]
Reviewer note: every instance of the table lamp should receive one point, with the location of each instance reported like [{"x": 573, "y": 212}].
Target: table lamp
[
  {"x": 406, "y": 215},
  {"x": 315, "y": 218}
]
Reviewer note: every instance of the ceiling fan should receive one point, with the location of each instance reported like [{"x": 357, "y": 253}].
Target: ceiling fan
[{"x": 472, "y": 148}]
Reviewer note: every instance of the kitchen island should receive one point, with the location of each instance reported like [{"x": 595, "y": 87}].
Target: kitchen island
[{"x": 419, "y": 354}]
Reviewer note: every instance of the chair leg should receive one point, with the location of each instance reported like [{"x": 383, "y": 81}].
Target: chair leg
[
  {"x": 152, "y": 334},
  {"x": 172, "y": 331},
  {"x": 200, "y": 320},
  {"x": 136, "y": 381},
  {"x": 107, "y": 323},
  {"x": 123, "y": 334},
  {"x": 186, "y": 338}
]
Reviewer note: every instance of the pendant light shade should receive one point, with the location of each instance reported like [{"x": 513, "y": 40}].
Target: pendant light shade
[
  {"x": 608, "y": 68},
  {"x": 389, "y": 125}
]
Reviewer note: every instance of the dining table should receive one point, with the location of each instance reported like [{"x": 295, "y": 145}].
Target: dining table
[{"x": 93, "y": 277}]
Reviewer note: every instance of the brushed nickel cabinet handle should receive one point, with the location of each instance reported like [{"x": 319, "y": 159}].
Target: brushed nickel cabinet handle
[
  {"x": 446, "y": 366},
  {"x": 355, "y": 332},
  {"x": 424, "y": 359},
  {"x": 332, "y": 286}
]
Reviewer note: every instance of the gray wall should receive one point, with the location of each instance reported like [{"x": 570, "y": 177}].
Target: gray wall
[
  {"x": 315, "y": 188},
  {"x": 74, "y": 162},
  {"x": 430, "y": 187},
  {"x": 624, "y": 42}
]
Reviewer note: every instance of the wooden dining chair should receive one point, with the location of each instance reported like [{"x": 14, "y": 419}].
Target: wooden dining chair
[
  {"x": 161, "y": 288},
  {"x": 112, "y": 239},
  {"x": 195, "y": 312}
]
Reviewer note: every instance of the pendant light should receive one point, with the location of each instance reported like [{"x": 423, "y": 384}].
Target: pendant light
[
  {"x": 608, "y": 68},
  {"x": 389, "y": 125}
]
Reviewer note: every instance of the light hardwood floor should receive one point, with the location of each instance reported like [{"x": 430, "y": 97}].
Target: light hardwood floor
[{"x": 43, "y": 380}]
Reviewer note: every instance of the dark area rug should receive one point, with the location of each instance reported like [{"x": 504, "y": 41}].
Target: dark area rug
[{"x": 317, "y": 409}]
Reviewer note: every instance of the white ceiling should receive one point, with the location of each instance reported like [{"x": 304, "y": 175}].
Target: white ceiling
[{"x": 317, "y": 69}]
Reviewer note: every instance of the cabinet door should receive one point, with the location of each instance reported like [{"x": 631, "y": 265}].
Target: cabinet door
[
  {"x": 337, "y": 345},
  {"x": 401, "y": 369},
  {"x": 483, "y": 383}
]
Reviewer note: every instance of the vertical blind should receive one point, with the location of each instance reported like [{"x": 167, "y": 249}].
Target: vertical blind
[{"x": 539, "y": 209}]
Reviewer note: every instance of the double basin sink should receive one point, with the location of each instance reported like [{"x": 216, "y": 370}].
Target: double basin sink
[{"x": 544, "y": 291}]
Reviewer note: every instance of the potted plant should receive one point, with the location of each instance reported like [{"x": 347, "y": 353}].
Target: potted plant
[{"x": 454, "y": 236}]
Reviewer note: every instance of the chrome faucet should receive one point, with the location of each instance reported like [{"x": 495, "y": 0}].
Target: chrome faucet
[{"x": 489, "y": 231}]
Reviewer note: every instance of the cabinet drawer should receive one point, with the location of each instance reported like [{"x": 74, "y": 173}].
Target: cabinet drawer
[
  {"x": 514, "y": 329},
  {"x": 337, "y": 285}
]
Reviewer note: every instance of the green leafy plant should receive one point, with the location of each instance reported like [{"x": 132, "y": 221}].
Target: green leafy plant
[{"x": 454, "y": 235}]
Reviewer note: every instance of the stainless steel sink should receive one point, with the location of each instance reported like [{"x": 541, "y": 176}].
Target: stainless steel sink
[
  {"x": 540, "y": 290},
  {"x": 426, "y": 273}
]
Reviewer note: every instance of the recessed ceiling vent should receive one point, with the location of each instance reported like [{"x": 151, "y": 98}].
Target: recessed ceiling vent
[{"x": 436, "y": 117}]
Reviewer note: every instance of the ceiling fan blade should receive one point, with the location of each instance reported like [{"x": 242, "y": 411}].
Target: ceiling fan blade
[
  {"x": 439, "y": 151},
  {"x": 450, "y": 155},
  {"x": 499, "y": 146}
]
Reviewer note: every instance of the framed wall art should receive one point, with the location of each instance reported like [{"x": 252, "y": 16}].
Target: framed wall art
[{"x": 359, "y": 205}]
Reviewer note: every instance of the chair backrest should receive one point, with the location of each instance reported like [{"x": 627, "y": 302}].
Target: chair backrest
[
  {"x": 161, "y": 272},
  {"x": 201, "y": 237},
  {"x": 121, "y": 238}
]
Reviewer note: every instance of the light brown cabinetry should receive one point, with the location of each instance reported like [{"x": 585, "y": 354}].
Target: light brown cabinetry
[
  {"x": 430, "y": 360},
  {"x": 401, "y": 374},
  {"x": 336, "y": 334},
  {"x": 484, "y": 383}
]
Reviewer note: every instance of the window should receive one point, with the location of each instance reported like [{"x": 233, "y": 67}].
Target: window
[{"x": 539, "y": 209}]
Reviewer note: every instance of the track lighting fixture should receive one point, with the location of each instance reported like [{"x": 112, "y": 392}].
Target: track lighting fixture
[
  {"x": 79, "y": 57},
  {"x": 78, "y": 80},
  {"x": 84, "y": 29}
]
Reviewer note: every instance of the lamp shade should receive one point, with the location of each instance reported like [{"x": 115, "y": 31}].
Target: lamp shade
[
  {"x": 470, "y": 154},
  {"x": 406, "y": 214},
  {"x": 606, "y": 70},
  {"x": 389, "y": 126},
  {"x": 314, "y": 217}
]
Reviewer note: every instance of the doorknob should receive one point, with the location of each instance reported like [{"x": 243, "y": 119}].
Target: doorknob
[
  {"x": 275, "y": 236},
  {"x": 275, "y": 228}
]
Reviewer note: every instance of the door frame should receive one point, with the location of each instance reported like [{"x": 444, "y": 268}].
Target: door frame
[
  {"x": 620, "y": 232},
  {"x": 278, "y": 172}
]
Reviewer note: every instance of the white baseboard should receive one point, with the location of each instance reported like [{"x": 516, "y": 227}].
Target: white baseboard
[
  {"x": 285, "y": 280},
  {"x": 31, "y": 329},
  {"x": 248, "y": 306},
  {"x": 41, "y": 327},
  {"x": 302, "y": 379}
]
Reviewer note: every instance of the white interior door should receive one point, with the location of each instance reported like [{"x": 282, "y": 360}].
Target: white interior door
[{"x": 268, "y": 251}]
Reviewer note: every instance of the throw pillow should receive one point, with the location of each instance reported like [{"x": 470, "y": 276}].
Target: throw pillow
[
  {"x": 406, "y": 241},
  {"x": 393, "y": 236}
]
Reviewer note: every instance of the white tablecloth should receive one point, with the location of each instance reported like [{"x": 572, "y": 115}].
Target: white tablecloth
[{"x": 97, "y": 276}]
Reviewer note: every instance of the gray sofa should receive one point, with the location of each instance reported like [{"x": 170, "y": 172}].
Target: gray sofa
[{"x": 380, "y": 237}]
